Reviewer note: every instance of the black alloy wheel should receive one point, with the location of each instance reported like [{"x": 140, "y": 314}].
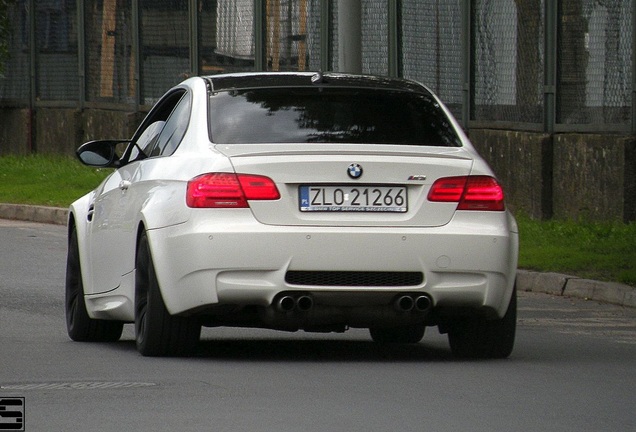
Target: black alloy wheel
[
  {"x": 157, "y": 332},
  {"x": 79, "y": 325},
  {"x": 478, "y": 338}
]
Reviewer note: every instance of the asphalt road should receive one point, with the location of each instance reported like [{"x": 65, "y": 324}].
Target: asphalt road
[{"x": 573, "y": 369}]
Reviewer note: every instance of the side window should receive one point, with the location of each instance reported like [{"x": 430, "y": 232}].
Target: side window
[
  {"x": 174, "y": 130},
  {"x": 148, "y": 134},
  {"x": 149, "y": 137}
]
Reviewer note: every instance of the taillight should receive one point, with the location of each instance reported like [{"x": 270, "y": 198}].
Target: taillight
[
  {"x": 470, "y": 192},
  {"x": 258, "y": 187},
  {"x": 449, "y": 189},
  {"x": 228, "y": 190}
]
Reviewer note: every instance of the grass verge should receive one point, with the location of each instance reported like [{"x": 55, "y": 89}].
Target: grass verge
[
  {"x": 54, "y": 181},
  {"x": 595, "y": 250}
]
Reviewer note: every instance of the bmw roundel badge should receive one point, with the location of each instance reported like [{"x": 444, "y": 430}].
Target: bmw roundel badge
[{"x": 354, "y": 170}]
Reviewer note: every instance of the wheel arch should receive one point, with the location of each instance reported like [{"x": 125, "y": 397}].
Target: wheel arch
[
  {"x": 77, "y": 220},
  {"x": 70, "y": 225},
  {"x": 141, "y": 229},
  {"x": 78, "y": 214}
]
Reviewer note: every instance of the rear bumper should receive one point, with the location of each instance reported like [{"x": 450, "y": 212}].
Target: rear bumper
[{"x": 468, "y": 263}]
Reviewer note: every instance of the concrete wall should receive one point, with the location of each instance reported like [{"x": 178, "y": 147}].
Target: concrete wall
[
  {"x": 57, "y": 131},
  {"x": 61, "y": 131},
  {"x": 594, "y": 176},
  {"x": 523, "y": 163},
  {"x": 15, "y": 131},
  {"x": 574, "y": 175},
  {"x": 103, "y": 124}
]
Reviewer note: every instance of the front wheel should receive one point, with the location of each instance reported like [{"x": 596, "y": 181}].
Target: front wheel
[
  {"x": 79, "y": 325},
  {"x": 157, "y": 332},
  {"x": 481, "y": 338}
]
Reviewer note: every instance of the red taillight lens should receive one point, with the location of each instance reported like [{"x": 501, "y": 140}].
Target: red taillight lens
[
  {"x": 470, "y": 192},
  {"x": 258, "y": 187},
  {"x": 228, "y": 190},
  {"x": 448, "y": 189},
  {"x": 482, "y": 193}
]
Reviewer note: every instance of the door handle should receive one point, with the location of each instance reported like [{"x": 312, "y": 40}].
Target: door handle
[{"x": 124, "y": 185}]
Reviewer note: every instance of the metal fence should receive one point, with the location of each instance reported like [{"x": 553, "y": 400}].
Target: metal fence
[
  {"x": 596, "y": 69},
  {"x": 516, "y": 64},
  {"x": 508, "y": 67}
]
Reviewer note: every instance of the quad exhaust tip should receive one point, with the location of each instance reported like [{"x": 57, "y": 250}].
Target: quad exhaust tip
[
  {"x": 402, "y": 303},
  {"x": 407, "y": 303},
  {"x": 304, "y": 303},
  {"x": 288, "y": 303},
  {"x": 423, "y": 303}
]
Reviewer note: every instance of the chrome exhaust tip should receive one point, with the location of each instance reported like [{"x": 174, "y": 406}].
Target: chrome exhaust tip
[
  {"x": 286, "y": 304},
  {"x": 423, "y": 303},
  {"x": 304, "y": 303},
  {"x": 404, "y": 303}
]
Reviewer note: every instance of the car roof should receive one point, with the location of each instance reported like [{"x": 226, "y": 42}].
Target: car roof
[{"x": 237, "y": 81}]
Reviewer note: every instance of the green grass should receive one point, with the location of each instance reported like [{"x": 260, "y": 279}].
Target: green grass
[
  {"x": 53, "y": 181},
  {"x": 595, "y": 250}
]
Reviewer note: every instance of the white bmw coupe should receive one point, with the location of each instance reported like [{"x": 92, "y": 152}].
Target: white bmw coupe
[{"x": 293, "y": 201}]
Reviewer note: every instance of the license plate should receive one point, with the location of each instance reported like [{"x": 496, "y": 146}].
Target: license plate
[{"x": 366, "y": 198}]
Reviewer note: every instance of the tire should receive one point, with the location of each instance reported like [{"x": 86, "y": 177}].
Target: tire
[
  {"x": 79, "y": 325},
  {"x": 158, "y": 333},
  {"x": 398, "y": 335},
  {"x": 481, "y": 338}
]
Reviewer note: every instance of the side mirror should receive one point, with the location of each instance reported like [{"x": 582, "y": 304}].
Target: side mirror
[{"x": 100, "y": 154}]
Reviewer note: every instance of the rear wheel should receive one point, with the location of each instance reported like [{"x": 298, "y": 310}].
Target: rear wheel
[
  {"x": 481, "y": 338},
  {"x": 157, "y": 332},
  {"x": 79, "y": 325},
  {"x": 400, "y": 335}
]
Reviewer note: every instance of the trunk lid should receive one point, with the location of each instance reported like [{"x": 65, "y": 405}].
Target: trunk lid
[{"x": 385, "y": 169}]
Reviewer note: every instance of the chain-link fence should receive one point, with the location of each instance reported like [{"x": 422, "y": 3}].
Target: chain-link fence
[
  {"x": 432, "y": 47},
  {"x": 15, "y": 85},
  {"x": 293, "y": 36},
  {"x": 595, "y": 82},
  {"x": 165, "y": 46},
  {"x": 507, "y": 73},
  {"x": 374, "y": 42},
  {"x": 128, "y": 52},
  {"x": 56, "y": 47},
  {"x": 234, "y": 44},
  {"x": 110, "y": 57},
  {"x": 375, "y": 37}
]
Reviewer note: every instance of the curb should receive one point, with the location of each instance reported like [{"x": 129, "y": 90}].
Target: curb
[
  {"x": 41, "y": 214},
  {"x": 529, "y": 281},
  {"x": 573, "y": 286}
]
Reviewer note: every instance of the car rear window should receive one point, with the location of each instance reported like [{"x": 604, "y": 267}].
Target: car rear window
[{"x": 328, "y": 115}]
